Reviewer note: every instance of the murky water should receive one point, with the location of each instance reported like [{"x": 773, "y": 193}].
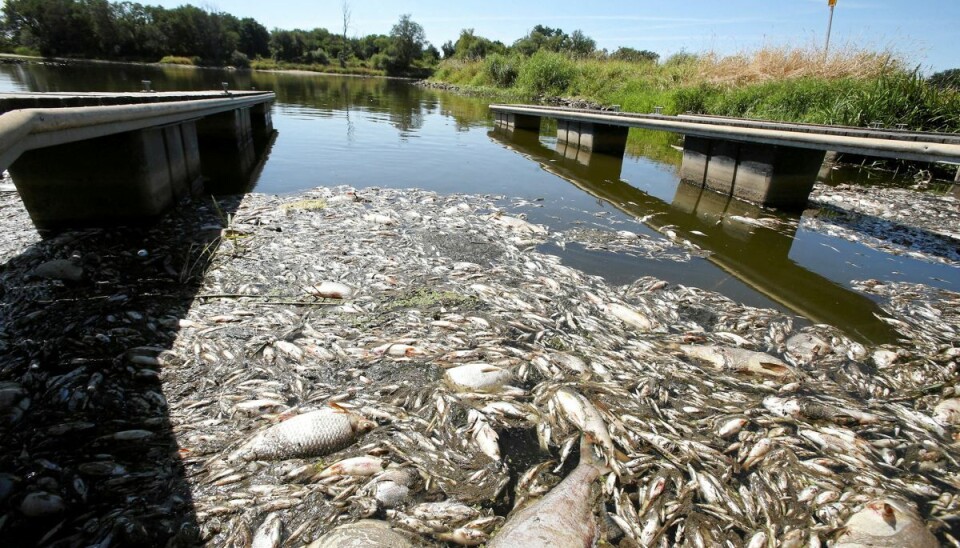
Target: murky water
[{"x": 378, "y": 132}]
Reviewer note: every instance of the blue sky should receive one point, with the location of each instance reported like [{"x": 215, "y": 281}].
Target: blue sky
[{"x": 923, "y": 30}]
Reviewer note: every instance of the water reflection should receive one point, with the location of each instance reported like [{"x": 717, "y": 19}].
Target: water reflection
[{"x": 756, "y": 255}]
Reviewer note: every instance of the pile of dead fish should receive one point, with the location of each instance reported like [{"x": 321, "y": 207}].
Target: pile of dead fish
[
  {"x": 400, "y": 368},
  {"x": 922, "y": 225}
]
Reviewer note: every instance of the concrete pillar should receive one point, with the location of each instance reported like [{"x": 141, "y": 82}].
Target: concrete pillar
[
  {"x": 261, "y": 120},
  {"x": 191, "y": 154},
  {"x": 511, "y": 121},
  {"x": 769, "y": 175},
  {"x": 227, "y": 154},
  {"x": 603, "y": 138},
  {"x": 722, "y": 166},
  {"x": 696, "y": 155},
  {"x": 123, "y": 178}
]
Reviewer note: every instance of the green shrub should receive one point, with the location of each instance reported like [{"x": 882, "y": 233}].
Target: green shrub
[
  {"x": 176, "y": 60},
  {"x": 239, "y": 59},
  {"x": 502, "y": 70},
  {"x": 26, "y": 51},
  {"x": 318, "y": 56},
  {"x": 694, "y": 99},
  {"x": 546, "y": 72}
]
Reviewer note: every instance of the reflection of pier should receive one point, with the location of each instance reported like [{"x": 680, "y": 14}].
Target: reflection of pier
[{"x": 757, "y": 256}]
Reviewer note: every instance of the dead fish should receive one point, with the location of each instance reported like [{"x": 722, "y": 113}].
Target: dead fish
[
  {"x": 477, "y": 377},
  {"x": 585, "y": 416},
  {"x": 366, "y": 533},
  {"x": 269, "y": 532},
  {"x": 41, "y": 504},
  {"x": 631, "y": 317},
  {"x": 484, "y": 435},
  {"x": 59, "y": 269},
  {"x": 947, "y": 412},
  {"x": 738, "y": 359},
  {"x": 564, "y": 516},
  {"x": 355, "y": 466},
  {"x": 330, "y": 290},
  {"x": 796, "y": 408},
  {"x": 885, "y": 523},
  {"x": 308, "y": 435}
]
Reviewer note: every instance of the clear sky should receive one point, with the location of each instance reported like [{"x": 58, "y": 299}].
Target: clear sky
[{"x": 924, "y": 30}]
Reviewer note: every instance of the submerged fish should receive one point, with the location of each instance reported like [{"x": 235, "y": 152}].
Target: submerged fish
[
  {"x": 885, "y": 523},
  {"x": 564, "y": 516},
  {"x": 307, "y": 435}
]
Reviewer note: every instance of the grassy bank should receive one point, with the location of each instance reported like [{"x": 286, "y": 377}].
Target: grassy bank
[{"x": 851, "y": 87}]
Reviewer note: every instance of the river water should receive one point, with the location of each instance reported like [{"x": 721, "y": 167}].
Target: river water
[{"x": 366, "y": 132}]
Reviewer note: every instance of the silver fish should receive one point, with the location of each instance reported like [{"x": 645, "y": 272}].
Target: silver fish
[{"x": 307, "y": 435}]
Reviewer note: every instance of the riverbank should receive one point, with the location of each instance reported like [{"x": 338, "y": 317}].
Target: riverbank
[
  {"x": 131, "y": 378},
  {"x": 271, "y": 66},
  {"x": 855, "y": 88}
]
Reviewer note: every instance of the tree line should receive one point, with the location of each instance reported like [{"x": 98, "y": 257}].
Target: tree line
[
  {"x": 130, "y": 31},
  {"x": 576, "y": 44}
]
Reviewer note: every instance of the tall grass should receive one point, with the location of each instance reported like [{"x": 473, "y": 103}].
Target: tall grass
[{"x": 851, "y": 86}]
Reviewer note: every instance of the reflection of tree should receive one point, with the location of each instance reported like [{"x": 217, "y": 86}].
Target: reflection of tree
[{"x": 403, "y": 105}]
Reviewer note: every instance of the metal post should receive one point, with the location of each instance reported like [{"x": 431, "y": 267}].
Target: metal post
[{"x": 826, "y": 48}]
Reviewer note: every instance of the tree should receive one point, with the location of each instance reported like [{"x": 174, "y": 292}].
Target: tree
[
  {"x": 345, "y": 8},
  {"x": 448, "y": 49},
  {"x": 471, "y": 46},
  {"x": 541, "y": 37},
  {"x": 408, "y": 39},
  {"x": 580, "y": 44},
  {"x": 630, "y": 54},
  {"x": 253, "y": 38}
]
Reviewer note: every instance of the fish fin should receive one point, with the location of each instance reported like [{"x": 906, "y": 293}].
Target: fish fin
[
  {"x": 775, "y": 367},
  {"x": 337, "y": 407},
  {"x": 589, "y": 456}
]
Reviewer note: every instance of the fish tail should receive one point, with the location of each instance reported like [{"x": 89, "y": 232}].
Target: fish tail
[{"x": 589, "y": 457}]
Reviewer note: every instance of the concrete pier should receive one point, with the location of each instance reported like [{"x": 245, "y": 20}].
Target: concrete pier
[
  {"x": 768, "y": 163},
  {"x": 770, "y": 175},
  {"x": 103, "y": 163},
  {"x": 128, "y": 177}
]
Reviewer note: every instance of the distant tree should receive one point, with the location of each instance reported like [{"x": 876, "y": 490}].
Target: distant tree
[
  {"x": 408, "y": 39},
  {"x": 471, "y": 46},
  {"x": 630, "y": 54},
  {"x": 541, "y": 37},
  {"x": 949, "y": 78},
  {"x": 254, "y": 38},
  {"x": 448, "y": 49},
  {"x": 580, "y": 44},
  {"x": 431, "y": 54}
]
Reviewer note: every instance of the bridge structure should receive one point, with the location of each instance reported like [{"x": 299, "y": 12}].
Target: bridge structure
[
  {"x": 89, "y": 159},
  {"x": 772, "y": 164}
]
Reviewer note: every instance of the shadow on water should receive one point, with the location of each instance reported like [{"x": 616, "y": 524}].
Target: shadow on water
[
  {"x": 89, "y": 455},
  {"x": 756, "y": 255}
]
